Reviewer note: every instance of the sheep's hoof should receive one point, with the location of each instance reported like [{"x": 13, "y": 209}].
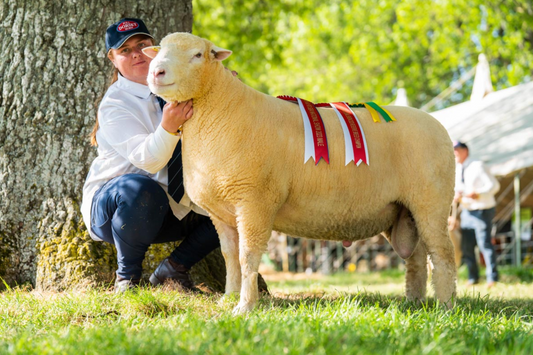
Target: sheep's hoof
[
  {"x": 415, "y": 298},
  {"x": 450, "y": 304},
  {"x": 243, "y": 308},
  {"x": 228, "y": 299}
]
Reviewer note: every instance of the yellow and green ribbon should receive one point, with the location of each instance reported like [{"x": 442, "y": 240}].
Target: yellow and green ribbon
[{"x": 374, "y": 108}]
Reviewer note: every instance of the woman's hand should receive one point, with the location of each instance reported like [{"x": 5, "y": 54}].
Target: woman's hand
[
  {"x": 176, "y": 114},
  {"x": 233, "y": 72}
]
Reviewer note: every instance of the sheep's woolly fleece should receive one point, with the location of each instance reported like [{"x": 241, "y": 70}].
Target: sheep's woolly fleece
[{"x": 242, "y": 158}]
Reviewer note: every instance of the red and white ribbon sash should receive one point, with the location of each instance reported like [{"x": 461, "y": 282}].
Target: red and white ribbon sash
[
  {"x": 316, "y": 143},
  {"x": 354, "y": 137}
]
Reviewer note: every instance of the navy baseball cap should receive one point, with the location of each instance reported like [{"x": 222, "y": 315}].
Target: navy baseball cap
[
  {"x": 121, "y": 31},
  {"x": 458, "y": 144}
]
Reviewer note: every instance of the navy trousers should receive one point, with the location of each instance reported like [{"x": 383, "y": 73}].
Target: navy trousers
[
  {"x": 132, "y": 212},
  {"x": 475, "y": 230}
]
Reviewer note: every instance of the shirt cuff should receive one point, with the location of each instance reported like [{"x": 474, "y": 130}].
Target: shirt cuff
[{"x": 163, "y": 143}]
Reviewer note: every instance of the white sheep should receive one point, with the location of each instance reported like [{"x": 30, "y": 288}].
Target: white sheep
[{"x": 243, "y": 163}]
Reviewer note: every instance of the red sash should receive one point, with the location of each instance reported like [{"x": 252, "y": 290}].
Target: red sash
[
  {"x": 316, "y": 142},
  {"x": 354, "y": 136}
]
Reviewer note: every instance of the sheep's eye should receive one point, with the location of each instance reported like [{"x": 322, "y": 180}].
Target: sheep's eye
[{"x": 199, "y": 55}]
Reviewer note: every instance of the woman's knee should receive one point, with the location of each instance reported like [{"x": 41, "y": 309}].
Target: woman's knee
[{"x": 140, "y": 190}]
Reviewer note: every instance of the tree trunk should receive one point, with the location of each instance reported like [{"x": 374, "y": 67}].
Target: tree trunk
[{"x": 54, "y": 72}]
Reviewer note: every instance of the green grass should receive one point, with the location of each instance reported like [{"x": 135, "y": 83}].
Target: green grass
[{"x": 327, "y": 315}]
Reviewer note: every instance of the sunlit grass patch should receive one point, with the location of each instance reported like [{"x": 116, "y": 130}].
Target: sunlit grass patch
[{"x": 327, "y": 318}]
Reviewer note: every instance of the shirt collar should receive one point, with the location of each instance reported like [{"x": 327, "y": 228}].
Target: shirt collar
[
  {"x": 467, "y": 162},
  {"x": 139, "y": 90}
]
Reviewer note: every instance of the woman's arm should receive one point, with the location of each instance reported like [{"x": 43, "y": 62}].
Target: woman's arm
[{"x": 133, "y": 137}]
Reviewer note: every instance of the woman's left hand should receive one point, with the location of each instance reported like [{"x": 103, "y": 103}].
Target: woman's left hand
[
  {"x": 175, "y": 114},
  {"x": 233, "y": 72}
]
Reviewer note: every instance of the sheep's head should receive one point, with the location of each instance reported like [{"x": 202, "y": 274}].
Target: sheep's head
[{"x": 182, "y": 66}]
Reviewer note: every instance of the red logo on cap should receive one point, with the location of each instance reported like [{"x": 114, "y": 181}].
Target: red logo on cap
[{"x": 127, "y": 26}]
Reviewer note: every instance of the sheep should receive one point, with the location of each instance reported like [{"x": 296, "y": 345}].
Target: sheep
[{"x": 242, "y": 163}]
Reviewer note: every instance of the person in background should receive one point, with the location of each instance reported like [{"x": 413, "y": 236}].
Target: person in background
[
  {"x": 127, "y": 197},
  {"x": 475, "y": 188}
]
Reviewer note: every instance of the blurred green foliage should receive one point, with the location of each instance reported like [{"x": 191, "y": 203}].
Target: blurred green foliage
[{"x": 364, "y": 50}]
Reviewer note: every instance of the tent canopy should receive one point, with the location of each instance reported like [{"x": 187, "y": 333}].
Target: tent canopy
[{"x": 498, "y": 129}]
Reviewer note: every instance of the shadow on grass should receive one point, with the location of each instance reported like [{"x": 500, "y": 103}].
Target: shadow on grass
[
  {"x": 467, "y": 304},
  {"x": 158, "y": 304}
]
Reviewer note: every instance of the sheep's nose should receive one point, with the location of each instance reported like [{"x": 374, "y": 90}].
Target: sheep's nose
[{"x": 159, "y": 73}]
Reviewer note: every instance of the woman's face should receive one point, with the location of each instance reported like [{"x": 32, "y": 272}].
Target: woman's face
[{"x": 130, "y": 60}]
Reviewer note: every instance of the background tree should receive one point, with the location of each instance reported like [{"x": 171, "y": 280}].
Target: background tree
[
  {"x": 54, "y": 71},
  {"x": 365, "y": 50}
]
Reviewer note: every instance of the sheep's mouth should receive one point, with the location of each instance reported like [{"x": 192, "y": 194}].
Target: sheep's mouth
[
  {"x": 160, "y": 88},
  {"x": 162, "y": 85}
]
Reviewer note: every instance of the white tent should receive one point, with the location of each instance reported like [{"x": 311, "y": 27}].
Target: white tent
[
  {"x": 498, "y": 128},
  {"x": 401, "y": 98}
]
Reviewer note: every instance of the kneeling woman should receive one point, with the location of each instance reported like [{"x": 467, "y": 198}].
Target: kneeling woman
[{"x": 133, "y": 196}]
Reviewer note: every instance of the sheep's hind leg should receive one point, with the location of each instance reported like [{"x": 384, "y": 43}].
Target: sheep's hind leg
[
  {"x": 416, "y": 271},
  {"x": 434, "y": 235},
  {"x": 254, "y": 232},
  {"x": 416, "y": 276},
  {"x": 229, "y": 245}
]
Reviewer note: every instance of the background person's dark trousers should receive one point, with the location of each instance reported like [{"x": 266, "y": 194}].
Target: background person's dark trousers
[{"x": 476, "y": 230}]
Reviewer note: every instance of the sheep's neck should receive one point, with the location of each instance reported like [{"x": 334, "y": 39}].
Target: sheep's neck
[{"x": 226, "y": 95}]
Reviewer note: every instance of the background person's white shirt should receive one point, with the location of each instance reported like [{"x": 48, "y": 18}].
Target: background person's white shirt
[
  {"x": 476, "y": 179},
  {"x": 131, "y": 140}
]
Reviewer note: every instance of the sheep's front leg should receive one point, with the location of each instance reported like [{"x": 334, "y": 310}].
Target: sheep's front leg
[
  {"x": 254, "y": 233},
  {"x": 229, "y": 245}
]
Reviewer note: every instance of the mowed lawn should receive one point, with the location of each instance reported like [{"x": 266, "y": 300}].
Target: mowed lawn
[{"x": 342, "y": 314}]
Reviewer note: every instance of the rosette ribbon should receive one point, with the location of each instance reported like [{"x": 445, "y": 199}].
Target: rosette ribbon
[
  {"x": 316, "y": 143},
  {"x": 354, "y": 137}
]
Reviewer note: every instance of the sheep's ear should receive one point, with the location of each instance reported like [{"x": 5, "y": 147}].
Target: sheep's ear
[
  {"x": 218, "y": 53},
  {"x": 151, "y": 51}
]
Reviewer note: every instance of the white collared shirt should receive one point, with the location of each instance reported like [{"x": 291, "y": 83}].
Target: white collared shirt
[
  {"x": 131, "y": 140},
  {"x": 477, "y": 179}
]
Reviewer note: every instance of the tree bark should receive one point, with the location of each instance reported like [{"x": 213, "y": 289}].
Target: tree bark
[{"x": 55, "y": 71}]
